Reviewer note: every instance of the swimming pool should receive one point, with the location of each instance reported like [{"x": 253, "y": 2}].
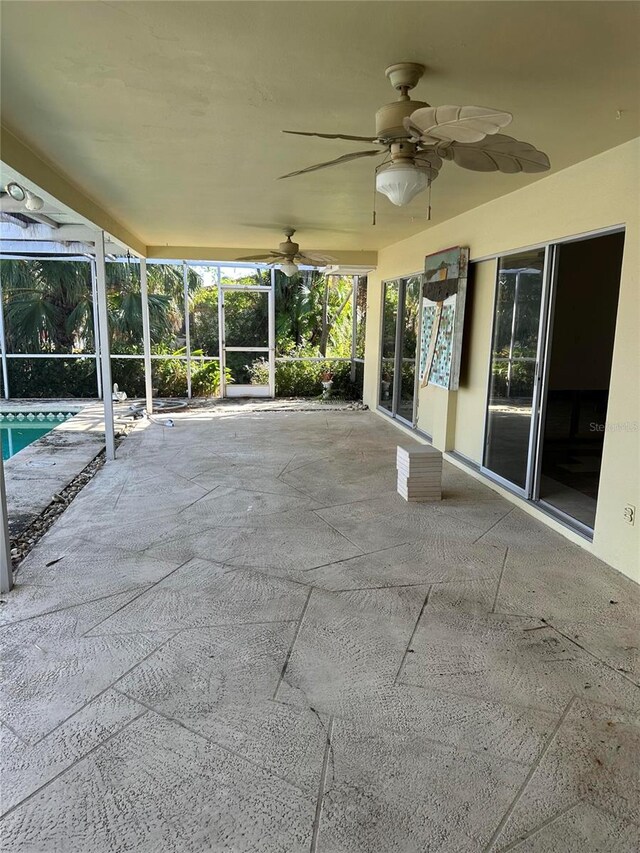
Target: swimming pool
[{"x": 19, "y": 429}]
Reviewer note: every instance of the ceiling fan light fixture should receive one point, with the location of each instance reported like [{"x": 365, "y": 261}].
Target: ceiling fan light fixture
[
  {"x": 401, "y": 182},
  {"x": 33, "y": 202},
  {"x": 289, "y": 268}
]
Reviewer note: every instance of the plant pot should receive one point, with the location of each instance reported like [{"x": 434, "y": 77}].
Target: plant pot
[
  {"x": 327, "y": 386},
  {"x": 385, "y": 389}
]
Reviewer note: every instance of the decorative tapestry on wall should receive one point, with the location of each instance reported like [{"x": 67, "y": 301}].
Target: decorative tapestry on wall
[{"x": 443, "y": 298}]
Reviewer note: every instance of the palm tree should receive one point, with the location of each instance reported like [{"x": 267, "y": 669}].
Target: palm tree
[{"x": 48, "y": 304}]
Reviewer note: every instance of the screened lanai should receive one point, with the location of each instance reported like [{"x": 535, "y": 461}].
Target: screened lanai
[{"x": 83, "y": 317}]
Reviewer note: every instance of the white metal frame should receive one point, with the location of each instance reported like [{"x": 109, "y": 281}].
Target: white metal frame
[
  {"x": 6, "y": 571},
  {"x": 393, "y": 412},
  {"x": 228, "y": 389},
  {"x": 105, "y": 360},
  {"x": 521, "y": 491}
]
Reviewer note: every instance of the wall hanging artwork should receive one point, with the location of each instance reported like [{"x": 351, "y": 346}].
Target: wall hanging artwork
[{"x": 443, "y": 298}]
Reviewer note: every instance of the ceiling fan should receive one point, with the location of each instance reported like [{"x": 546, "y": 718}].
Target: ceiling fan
[
  {"x": 288, "y": 255},
  {"x": 417, "y": 138}
]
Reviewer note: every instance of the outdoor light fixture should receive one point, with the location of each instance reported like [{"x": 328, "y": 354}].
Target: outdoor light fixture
[
  {"x": 15, "y": 191},
  {"x": 289, "y": 268},
  {"x": 19, "y": 193},
  {"x": 33, "y": 202},
  {"x": 401, "y": 182}
]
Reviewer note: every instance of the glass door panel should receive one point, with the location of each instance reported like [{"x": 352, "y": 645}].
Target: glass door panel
[
  {"x": 408, "y": 348},
  {"x": 247, "y": 350},
  {"x": 580, "y": 353},
  {"x": 246, "y": 318},
  {"x": 514, "y": 357},
  {"x": 388, "y": 349}
]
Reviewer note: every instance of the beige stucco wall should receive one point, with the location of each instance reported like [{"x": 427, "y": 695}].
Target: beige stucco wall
[{"x": 592, "y": 195}]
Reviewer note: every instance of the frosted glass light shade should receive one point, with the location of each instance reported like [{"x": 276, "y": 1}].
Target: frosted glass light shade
[
  {"x": 401, "y": 182},
  {"x": 289, "y": 269}
]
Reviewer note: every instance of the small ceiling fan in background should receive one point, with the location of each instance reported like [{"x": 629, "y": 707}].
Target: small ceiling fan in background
[
  {"x": 416, "y": 138},
  {"x": 288, "y": 255}
]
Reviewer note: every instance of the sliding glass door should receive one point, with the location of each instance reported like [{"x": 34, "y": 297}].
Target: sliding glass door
[
  {"x": 399, "y": 351},
  {"x": 551, "y": 354},
  {"x": 515, "y": 353},
  {"x": 386, "y": 392}
]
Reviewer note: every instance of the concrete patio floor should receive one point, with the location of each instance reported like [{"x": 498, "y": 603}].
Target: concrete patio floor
[{"x": 239, "y": 638}]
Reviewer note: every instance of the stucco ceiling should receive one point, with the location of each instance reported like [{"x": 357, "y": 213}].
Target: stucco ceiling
[{"x": 169, "y": 113}]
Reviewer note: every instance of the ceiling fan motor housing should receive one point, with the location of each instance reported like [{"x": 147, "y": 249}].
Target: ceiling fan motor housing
[
  {"x": 389, "y": 118},
  {"x": 288, "y": 247}
]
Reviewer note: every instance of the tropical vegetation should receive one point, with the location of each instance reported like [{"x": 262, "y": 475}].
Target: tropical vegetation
[{"x": 48, "y": 310}]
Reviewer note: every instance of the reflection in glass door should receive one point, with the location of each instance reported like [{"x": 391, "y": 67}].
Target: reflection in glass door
[
  {"x": 515, "y": 348},
  {"x": 390, "y": 297},
  {"x": 398, "y": 355},
  {"x": 410, "y": 313},
  {"x": 247, "y": 310}
]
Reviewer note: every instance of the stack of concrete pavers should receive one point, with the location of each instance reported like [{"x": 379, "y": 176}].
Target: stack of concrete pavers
[{"x": 419, "y": 473}]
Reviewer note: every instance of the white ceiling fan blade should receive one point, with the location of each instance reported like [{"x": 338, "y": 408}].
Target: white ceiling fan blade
[
  {"x": 498, "y": 153},
  {"x": 315, "y": 259},
  {"x": 460, "y": 124},
  {"x": 272, "y": 255},
  {"x": 335, "y": 162},
  {"x": 333, "y": 136}
]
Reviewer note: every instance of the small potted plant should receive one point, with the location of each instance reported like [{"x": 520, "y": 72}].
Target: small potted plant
[{"x": 326, "y": 377}]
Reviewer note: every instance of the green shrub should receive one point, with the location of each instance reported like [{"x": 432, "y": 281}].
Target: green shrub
[
  {"x": 52, "y": 377},
  {"x": 303, "y": 378}
]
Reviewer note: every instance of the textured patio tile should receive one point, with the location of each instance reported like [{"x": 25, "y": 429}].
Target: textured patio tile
[
  {"x": 593, "y": 758},
  {"x": 201, "y": 669},
  {"x": 71, "y": 620},
  {"x": 350, "y": 646},
  {"x": 111, "y": 569},
  {"x": 401, "y": 793},
  {"x": 518, "y": 529},
  {"x": 486, "y": 513},
  {"x": 473, "y": 596},
  {"x": 412, "y": 563},
  {"x": 157, "y": 787},
  {"x": 291, "y": 548},
  {"x": 27, "y": 602},
  {"x": 245, "y": 477},
  {"x": 27, "y": 768},
  {"x": 205, "y": 593},
  {"x": 132, "y": 529},
  {"x": 581, "y": 596},
  {"x": 350, "y": 477},
  {"x": 245, "y": 508},
  {"x": 508, "y": 659},
  {"x": 286, "y": 741},
  {"x": 457, "y": 485},
  {"x": 583, "y": 829},
  {"x": 383, "y": 522},
  {"x": 498, "y": 729},
  {"x": 49, "y": 679}
]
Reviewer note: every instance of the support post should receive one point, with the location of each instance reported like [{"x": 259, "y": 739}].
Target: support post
[
  {"x": 146, "y": 336},
  {"x": 96, "y": 328},
  {"x": 187, "y": 330},
  {"x": 3, "y": 348},
  {"x": 6, "y": 572},
  {"x": 222, "y": 353},
  {"x": 105, "y": 349}
]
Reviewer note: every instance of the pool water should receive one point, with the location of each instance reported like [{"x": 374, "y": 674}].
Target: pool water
[{"x": 19, "y": 429}]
